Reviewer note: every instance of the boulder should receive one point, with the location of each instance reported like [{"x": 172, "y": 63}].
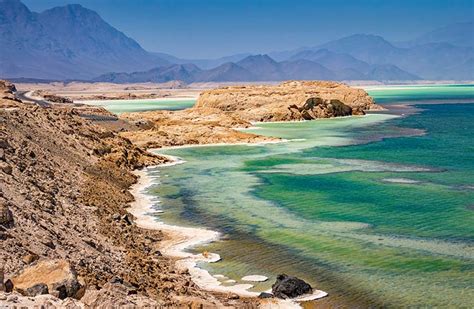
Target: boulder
[
  {"x": 290, "y": 287},
  {"x": 30, "y": 258},
  {"x": 8, "y": 285},
  {"x": 264, "y": 295},
  {"x": 6, "y": 168},
  {"x": 37, "y": 289},
  {"x": 57, "y": 275}
]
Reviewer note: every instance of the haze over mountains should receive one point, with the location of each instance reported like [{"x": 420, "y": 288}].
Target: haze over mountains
[{"x": 72, "y": 42}]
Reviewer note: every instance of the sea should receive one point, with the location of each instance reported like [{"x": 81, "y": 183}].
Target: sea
[{"x": 376, "y": 210}]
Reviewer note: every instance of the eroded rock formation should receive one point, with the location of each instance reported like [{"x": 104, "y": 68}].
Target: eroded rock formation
[{"x": 294, "y": 100}]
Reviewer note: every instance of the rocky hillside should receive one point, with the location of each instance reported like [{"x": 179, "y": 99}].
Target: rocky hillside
[
  {"x": 64, "y": 228},
  {"x": 288, "y": 101}
]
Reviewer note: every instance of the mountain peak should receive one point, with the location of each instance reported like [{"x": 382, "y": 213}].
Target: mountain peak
[
  {"x": 259, "y": 58},
  {"x": 72, "y": 12},
  {"x": 11, "y": 10}
]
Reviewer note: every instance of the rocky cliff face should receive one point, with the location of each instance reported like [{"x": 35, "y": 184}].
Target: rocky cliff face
[{"x": 294, "y": 100}]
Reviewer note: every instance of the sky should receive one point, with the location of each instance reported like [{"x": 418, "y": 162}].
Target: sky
[{"x": 215, "y": 28}]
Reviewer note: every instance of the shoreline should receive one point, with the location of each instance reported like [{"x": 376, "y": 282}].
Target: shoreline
[{"x": 180, "y": 238}]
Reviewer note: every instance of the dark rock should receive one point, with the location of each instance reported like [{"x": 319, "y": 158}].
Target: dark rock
[
  {"x": 290, "y": 287},
  {"x": 338, "y": 109},
  {"x": 131, "y": 288},
  {"x": 6, "y": 168},
  {"x": 8, "y": 286},
  {"x": 128, "y": 219},
  {"x": 6, "y": 216},
  {"x": 265, "y": 295},
  {"x": 60, "y": 292},
  {"x": 2, "y": 277},
  {"x": 50, "y": 244},
  {"x": 116, "y": 280},
  {"x": 37, "y": 289}
]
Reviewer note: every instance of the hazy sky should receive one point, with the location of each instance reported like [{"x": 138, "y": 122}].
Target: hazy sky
[{"x": 213, "y": 28}]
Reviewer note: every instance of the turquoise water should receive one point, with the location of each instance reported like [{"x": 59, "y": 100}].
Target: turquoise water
[
  {"x": 129, "y": 106},
  {"x": 407, "y": 94},
  {"x": 376, "y": 210},
  {"x": 384, "y": 95}
]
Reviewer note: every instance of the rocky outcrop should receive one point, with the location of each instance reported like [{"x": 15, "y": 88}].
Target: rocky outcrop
[
  {"x": 7, "y": 91},
  {"x": 55, "y": 277},
  {"x": 7, "y": 86},
  {"x": 294, "y": 100},
  {"x": 315, "y": 108},
  {"x": 290, "y": 287},
  {"x": 53, "y": 98},
  {"x": 219, "y": 112}
]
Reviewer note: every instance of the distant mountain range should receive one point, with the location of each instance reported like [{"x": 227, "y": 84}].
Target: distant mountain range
[
  {"x": 69, "y": 42},
  {"x": 72, "y": 42},
  {"x": 259, "y": 68}
]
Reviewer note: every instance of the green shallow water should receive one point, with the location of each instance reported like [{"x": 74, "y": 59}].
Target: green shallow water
[
  {"x": 129, "y": 106},
  {"x": 368, "y": 208},
  {"x": 406, "y": 94}
]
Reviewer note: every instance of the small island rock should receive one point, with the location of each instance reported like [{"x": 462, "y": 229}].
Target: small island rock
[{"x": 290, "y": 287}]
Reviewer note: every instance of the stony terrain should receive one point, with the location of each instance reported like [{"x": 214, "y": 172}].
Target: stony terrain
[
  {"x": 188, "y": 127},
  {"x": 64, "y": 228}
]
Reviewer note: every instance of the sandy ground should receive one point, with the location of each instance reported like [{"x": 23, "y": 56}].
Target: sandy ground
[{"x": 90, "y": 91}]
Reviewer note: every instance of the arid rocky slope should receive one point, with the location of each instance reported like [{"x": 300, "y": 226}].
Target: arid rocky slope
[
  {"x": 293, "y": 100},
  {"x": 64, "y": 228}
]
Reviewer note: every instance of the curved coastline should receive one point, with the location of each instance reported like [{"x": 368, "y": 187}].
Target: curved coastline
[{"x": 180, "y": 238}]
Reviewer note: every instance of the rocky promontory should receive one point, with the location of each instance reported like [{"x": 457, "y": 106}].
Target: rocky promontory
[
  {"x": 219, "y": 113},
  {"x": 292, "y": 100}
]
